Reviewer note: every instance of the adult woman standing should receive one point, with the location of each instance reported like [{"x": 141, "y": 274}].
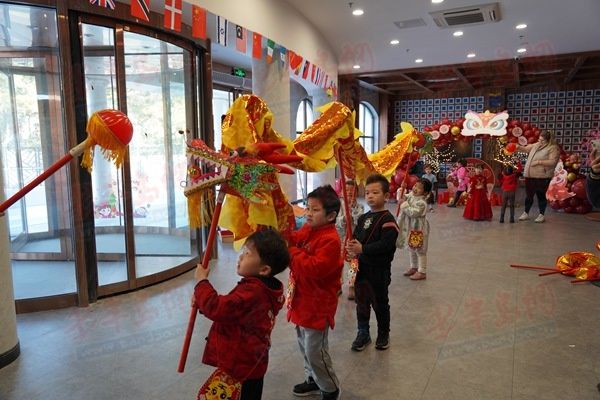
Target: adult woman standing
[{"x": 539, "y": 170}]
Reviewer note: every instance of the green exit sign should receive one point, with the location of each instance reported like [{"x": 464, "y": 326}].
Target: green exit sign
[{"x": 238, "y": 72}]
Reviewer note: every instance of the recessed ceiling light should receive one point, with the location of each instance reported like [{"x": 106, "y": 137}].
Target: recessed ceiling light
[
  {"x": 458, "y": 33},
  {"x": 419, "y": 60},
  {"x": 394, "y": 42},
  {"x": 521, "y": 26},
  {"x": 521, "y": 50},
  {"x": 358, "y": 12},
  {"x": 471, "y": 55},
  {"x": 356, "y": 66},
  {"x": 436, "y": 1}
]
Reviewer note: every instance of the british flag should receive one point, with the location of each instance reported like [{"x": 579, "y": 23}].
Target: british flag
[{"x": 104, "y": 3}]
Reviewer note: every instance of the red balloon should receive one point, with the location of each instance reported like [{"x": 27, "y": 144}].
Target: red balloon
[
  {"x": 574, "y": 202},
  {"x": 526, "y": 126},
  {"x": 583, "y": 209},
  {"x": 563, "y": 203},
  {"x": 528, "y": 133},
  {"x": 414, "y": 156},
  {"x": 578, "y": 187},
  {"x": 511, "y": 147},
  {"x": 532, "y": 139},
  {"x": 436, "y": 127},
  {"x": 513, "y": 140},
  {"x": 398, "y": 177},
  {"x": 411, "y": 180},
  {"x": 569, "y": 210},
  {"x": 555, "y": 205}
]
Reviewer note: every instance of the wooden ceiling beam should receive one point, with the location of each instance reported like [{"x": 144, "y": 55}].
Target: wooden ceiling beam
[
  {"x": 578, "y": 63},
  {"x": 419, "y": 84},
  {"x": 462, "y": 78}
]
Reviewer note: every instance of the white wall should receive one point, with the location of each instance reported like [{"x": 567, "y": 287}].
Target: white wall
[{"x": 280, "y": 22}]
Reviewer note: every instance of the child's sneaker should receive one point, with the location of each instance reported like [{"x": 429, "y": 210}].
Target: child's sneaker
[
  {"x": 361, "y": 341},
  {"x": 418, "y": 276},
  {"x": 331, "y": 395},
  {"x": 410, "y": 272},
  {"x": 306, "y": 388},
  {"x": 540, "y": 218},
  {"x": 383, "y": 341},
  {"x": 524, "y": 217}
]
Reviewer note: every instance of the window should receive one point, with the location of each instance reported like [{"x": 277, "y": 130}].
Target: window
[
  {"x": 304, "y": 118},
  {"x": 368, "y": 124},
  {"x": 222, "y": 100}
]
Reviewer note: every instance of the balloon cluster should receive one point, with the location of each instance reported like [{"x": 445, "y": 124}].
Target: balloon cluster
[
  {"x": 521, "y": 133},
  {"x": 446, "y": 132},
  {"x": 579, "y": 203}
]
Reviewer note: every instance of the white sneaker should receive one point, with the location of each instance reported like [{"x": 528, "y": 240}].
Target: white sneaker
[
  {"x": 524, "y": 217},
  {"x": 540, "y": 218}
]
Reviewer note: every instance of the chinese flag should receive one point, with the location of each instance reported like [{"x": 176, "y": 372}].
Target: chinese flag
[
  {"x": 141, "y": 9},
  {"x": 198, "y": 22},
  {"x": 295, "y": 60},
  {"x": 173, "y": 15},
  {"x": 256, "y": 45}
]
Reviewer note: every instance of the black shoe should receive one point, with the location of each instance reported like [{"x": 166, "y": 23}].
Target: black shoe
[
  {"x": 501, "y": 220},
  {"x": 306, "y": 388},
  {"x": 382, "y": 342},
  {"x": 361, "y": 341},
  {"x": 331, "y": 395},
  {"x": 512, "y": 220}
]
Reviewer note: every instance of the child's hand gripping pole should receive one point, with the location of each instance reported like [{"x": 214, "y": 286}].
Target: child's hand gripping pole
[
  {"x": 110, "y": 129},
  {"x": 205, "y": 259}
]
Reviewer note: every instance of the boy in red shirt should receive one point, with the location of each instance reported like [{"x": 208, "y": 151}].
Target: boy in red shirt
[
  {"x": 240, "y": 337},
  {"x": 315, "y": 272},
  {"x": 508, "y": 182}
]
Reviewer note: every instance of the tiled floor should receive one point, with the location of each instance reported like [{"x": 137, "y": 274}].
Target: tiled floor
[{"x": 475, "y": 329}]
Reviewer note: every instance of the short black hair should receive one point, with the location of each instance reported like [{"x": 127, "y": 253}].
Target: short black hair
[
  {"x": 350, "y": 182},
  {"x": 328, "y": 198},
  {"x": 508, "y": 170},
  {"x": 462, "y": 162},
  {"x": 426, "y": 185},
  {"x": 385, "y": 184},
  {"x": 271, "y": 248}
]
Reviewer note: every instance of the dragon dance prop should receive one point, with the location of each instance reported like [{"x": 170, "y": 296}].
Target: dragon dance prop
[
  {"x": 246, "y": 170},
  {"x": 584, "y": 266},
  {"x": 110, "y": 129}
]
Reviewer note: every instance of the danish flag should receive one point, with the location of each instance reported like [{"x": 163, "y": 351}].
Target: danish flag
[
  {"x": 173, "y": 15},
  {"x": 104, "y": 3}
]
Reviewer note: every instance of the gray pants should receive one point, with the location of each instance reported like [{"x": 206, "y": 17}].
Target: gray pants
[
  {"x": 317, "y": 362},
  {"x": 508, "y": 199}
]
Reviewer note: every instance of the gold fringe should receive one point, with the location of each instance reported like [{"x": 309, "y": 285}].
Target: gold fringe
[
  {"x": 111, "y": 147},
  {"x": 201, "y": 207}
]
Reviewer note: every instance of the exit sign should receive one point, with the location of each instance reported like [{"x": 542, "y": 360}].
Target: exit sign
[{"x": 238, "y": 72}]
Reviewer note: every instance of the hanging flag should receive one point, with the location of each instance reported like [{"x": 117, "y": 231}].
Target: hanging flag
[
  {"x": 282, "y": 55},
  {"x": 222, "y": 31},
  {"x": 198, "y": 22},
  {"x": 104, "y": 3},
  {"x": 141, "y": 9},
  {"x": 295, "y": 61},
  {"x": 173, "y": 15},
  {"x": 305, "y": 71},
  {"x": 240, "y": 38},
  {"x": 270, "y": 50},
  {"x": 256, "y": 45},
  {"x": 313, "y": 72},
  {"x": 317, "y": 76},
  {"x": 325, "y": 81}
]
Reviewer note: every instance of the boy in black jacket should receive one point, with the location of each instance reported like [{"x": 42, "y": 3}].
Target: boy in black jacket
[{"x": 374, "y": 244}]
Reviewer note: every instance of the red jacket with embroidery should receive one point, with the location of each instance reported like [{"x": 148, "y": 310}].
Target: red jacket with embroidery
[
  {"x": 240, "y": 337},
  {"x": 316, "y": 269}
]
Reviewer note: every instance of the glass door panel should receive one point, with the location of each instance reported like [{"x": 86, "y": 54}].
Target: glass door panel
[
  {"x": 156, "y": 105},
  {"x": 107, "y": 184}
]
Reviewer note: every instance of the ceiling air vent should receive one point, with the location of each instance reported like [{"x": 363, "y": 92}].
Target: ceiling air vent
[
  {"x": 472, "y": 15},
  {"x": 410, "y": 23}
]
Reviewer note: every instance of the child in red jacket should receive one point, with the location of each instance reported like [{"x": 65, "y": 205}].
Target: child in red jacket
[
  {"x": 240, "y": 337},
  {"x": 315, "y": 272},
  {"x": 508, "y": 182}
]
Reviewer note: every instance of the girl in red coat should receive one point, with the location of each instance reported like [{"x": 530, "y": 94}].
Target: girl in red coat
[
  {"x": 240, "y": 337},
  {"x": 315, "y": 279},
  {"x": 478, "y": 206}
]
